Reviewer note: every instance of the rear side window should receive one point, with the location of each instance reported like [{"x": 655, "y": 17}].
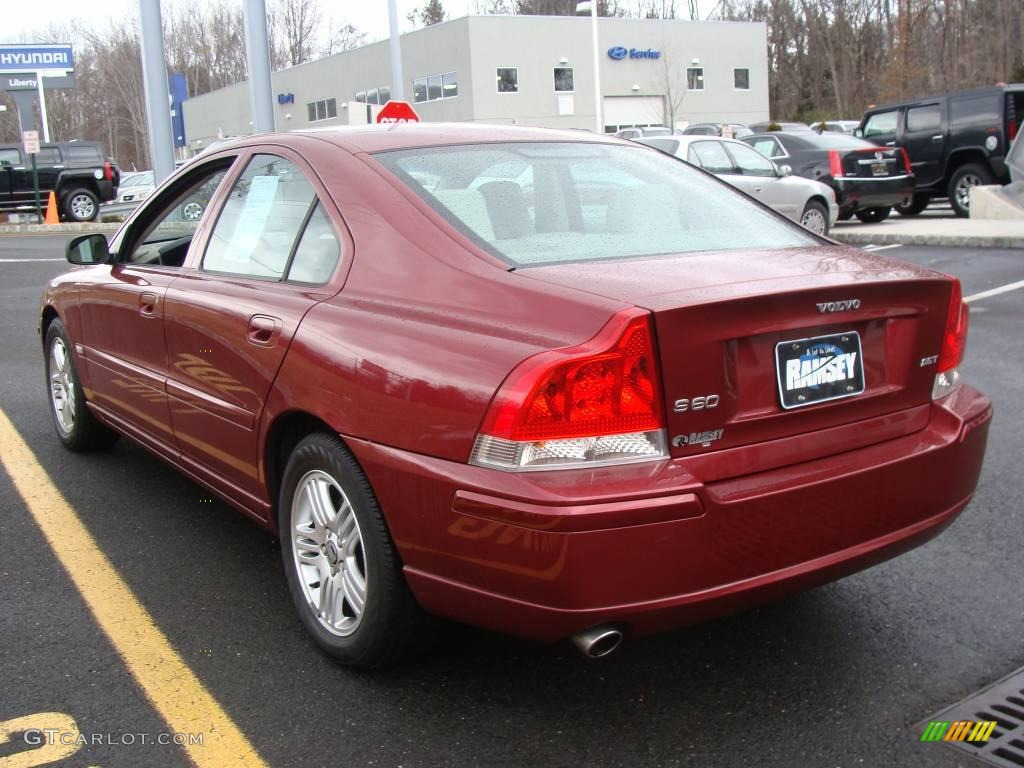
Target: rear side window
[
  {"x": 711, "y": 156},
  {"x": 560, "y": 202},
  {"x": 48, "y": 156},
  {"x": 880, "y": 124},
  {"x": 927, "y": 118},
  {"x": 260, "y": 220},
  {"x": 976, "y": 111},
  {"x": 78, "y": 153},
  {"x": 317, "y": 252}
]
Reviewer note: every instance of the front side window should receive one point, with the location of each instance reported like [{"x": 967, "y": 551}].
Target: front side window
[
  {"x": 261, "y": 217},
  {"x": 880, "y": 124},
  {"x": 10, "y": 156},
  {"x": 171, "y": 220},
  {"x": 508, "y": 80},
  {"x": 563, "y": 80},
  {"x": 711, "y": 156},
  {"x": 695, "y": 78},
  {"x": 741, "y": 79},
  {"x": 927, "y": 118},
  {"x": 532, "y": 204},
  {"x": 750, "y": 161}
]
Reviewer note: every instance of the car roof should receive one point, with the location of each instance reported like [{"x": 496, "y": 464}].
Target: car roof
[
  {"x": 381, "y": 138},
  {"x": 925, "y": 99},
  {"x": 688, "y": 139}
]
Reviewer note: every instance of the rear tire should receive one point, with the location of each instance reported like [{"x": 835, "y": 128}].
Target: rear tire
[
  {"x": 80, "y": 205},
  {"x": 815, "y": 218},
  {"x": 343, "y": 571},
  {"x": 873, "y": 215},
  {"x": 845, "y": 215},
  {"x": 964, "y": 178},
  {"x": 76, "y": 426},
  {"x": 917, "y": 204}
]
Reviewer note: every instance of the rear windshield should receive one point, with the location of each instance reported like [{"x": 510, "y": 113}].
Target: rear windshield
[
  {"x": 549, "y": 203},
  {"x": 835, "y": 140}
]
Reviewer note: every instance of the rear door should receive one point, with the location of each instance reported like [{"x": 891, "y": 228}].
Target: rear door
[
  {"x": 924, "y": 139},
  {"x": 269, "y": 259},
  {"x": 10, "y": 158},
  {"x": 763, "y": 181}
]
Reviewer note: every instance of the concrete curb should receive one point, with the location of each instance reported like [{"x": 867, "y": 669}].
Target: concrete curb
[
  {"x": 57, "y": 229},
  {"x": 935, "y": 239}
]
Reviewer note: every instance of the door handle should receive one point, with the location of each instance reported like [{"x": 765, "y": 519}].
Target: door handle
[
  {"x": 890, "y": 143},
  {"x": 147, "y": 303},
  {"x": 263, "y": 330},
  {"x": 937, "y": 138}
]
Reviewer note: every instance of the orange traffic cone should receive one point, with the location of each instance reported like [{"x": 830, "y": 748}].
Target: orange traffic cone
[{"x": 51, "y": 210}]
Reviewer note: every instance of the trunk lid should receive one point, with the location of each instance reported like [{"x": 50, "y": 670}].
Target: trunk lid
[
  {"x": 718, "y": 318},
  {"x": 872, "y": 162}
]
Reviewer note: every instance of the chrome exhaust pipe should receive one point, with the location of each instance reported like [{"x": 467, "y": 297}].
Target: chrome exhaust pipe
[{"x": 597, "y": 641}]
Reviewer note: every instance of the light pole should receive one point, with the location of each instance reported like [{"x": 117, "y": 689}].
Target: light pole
[
  {"x": 397, "y": 80},
  {"x": 598, "y": 101}
]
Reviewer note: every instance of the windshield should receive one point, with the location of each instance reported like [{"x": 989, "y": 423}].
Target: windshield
[{"x": 548, "y": 203}]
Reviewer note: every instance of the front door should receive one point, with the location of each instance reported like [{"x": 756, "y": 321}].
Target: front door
[
  {"x": 924, "y": 139},
  {"x": 122, "y": 312},
  {"x": 230, "y": 319},
  {"x": 760, "y": 179},
  {"x": 10, "y": 158}
]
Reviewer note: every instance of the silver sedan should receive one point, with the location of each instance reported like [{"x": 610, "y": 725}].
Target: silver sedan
[{"x": 808, "y": 202}]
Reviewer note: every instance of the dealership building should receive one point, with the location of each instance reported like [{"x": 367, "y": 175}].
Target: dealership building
[{"x": 525, "y": 70}]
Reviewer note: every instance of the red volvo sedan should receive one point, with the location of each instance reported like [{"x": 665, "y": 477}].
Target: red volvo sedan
[{"x": 547, "y": 383}]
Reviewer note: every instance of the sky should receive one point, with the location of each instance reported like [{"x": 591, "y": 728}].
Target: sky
[{"x": 370, "y": 16}]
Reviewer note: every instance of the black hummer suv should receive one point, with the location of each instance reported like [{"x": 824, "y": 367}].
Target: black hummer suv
[
  {"x": 79, "y": 172},
  {"x": 955, "y": 141}
]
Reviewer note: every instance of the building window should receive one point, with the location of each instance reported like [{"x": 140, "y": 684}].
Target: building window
[
  {"x": 434, "y": 87},
  {"x": 508, "y": 80},
  {"x": 325, "y": 109},
  {"x": 381, "y": 95},
  {"x": 695, "y": 78},
  {"x": 449, "y": 85},
  {"x": 563, "y": 80},
  {"x": 741, "y": 79},
  {"x": 361, "y": 96}
]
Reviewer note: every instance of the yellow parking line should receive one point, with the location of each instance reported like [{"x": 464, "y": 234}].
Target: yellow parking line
[{"x": 173, "y": 688}]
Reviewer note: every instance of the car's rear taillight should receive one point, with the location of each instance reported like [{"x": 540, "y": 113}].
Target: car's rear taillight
[
  {"x": 598, "y": 403},
  {"x": 1012, "y": 130},
  {"x": 835, "y": 163},
  {"x": 906, "y": 159},
  {"x": 954, "y": 342},
  {"x": 108, "y": 171}
]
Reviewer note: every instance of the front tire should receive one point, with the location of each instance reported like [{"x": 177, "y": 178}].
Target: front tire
[
  {"x": 873, "y": 215},
  {"x": 815, "y": 218},
  {"x": 76, "y": 427},
  {"x": 343, "y": 571},
  {"x": 960, "y": 184},
  {"x": 81, "y": 205},
  {"x": 917, "y": 204}
]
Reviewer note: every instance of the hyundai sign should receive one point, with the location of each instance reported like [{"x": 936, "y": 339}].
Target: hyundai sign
[
  {"x": 619, "y": 52},
  {"x": 35, "y": 58}
]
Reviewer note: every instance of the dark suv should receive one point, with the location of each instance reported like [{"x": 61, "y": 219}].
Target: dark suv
[
  {"x": 955, "y": 141},
  {"x": 79, "y": 172}
]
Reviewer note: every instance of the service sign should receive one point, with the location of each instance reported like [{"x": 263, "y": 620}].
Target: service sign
[
  {"x": 31, "y": 141},
  {"x": 35, "y": 58}
]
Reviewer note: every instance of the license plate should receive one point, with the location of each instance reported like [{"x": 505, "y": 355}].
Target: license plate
[
  {"x": 880, "y": 169},
  {"x": 815, "y": 370}
]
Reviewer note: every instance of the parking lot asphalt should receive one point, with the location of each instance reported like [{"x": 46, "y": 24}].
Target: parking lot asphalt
[{"x": 839, "y": 676}]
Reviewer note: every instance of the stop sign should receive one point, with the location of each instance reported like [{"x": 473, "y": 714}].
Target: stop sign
[{"x": 398, "y": 112}]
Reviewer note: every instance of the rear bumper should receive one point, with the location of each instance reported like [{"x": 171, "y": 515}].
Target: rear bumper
[
  {"x": 651, "y": 547},
  {"x": 854, "y": 194}
]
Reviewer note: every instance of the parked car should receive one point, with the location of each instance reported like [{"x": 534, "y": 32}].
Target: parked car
[
  {"x": 785, "y": 127},
  {"x": 868, "y": 180},
  {"x": 79, "y": 172},
  {"x": 837, "y": 126},
  {"x": 645, "y": 403},
  {"x": 135, "y": 187},
  {"x": 955, "y": 141},
  {"x": 808, "y": 202},
  {"x": 637, "y": 133},
  {"x": 728, "y": 130}
]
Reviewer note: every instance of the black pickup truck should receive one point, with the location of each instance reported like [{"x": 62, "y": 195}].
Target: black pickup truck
[
  {"x": 79, "y": 172},
  {"x": 955, "y": 141}
]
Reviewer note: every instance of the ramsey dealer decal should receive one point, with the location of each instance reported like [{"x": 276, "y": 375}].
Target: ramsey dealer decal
[{"x": 821, "y": 364}]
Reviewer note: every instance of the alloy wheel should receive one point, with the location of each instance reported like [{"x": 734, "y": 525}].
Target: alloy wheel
[
  {"x": 82, "y": 207},
  {"x": 192, "y": 212},
  {"x": 963, "y": 189},
  {"x": 62, "y": 386},
  {"x": 328, "y": 548}
]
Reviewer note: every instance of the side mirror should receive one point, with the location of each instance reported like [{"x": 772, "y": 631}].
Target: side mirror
[
  {"x": 858, "y": 132},
  {"x": 785, "y": 170},
  {"x": 86, "y": 250}
]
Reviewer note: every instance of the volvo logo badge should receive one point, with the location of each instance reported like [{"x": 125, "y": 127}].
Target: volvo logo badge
[{"x": 838, "y": 306}]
